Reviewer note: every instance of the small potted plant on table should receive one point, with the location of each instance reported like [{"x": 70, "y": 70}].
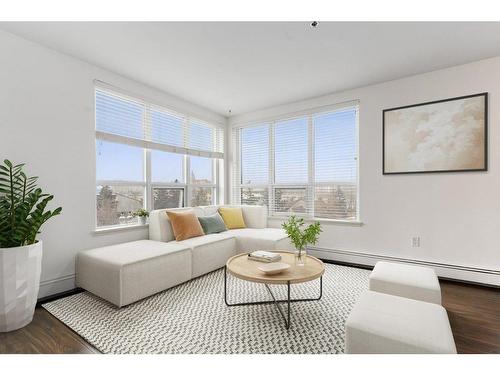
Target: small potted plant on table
[
  {"x": 142, "y": 214},
  {"x": 301, "y": 237}
]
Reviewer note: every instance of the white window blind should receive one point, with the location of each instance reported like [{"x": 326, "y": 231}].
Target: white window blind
[
  {"x": 255, "y": 155},
  {"x": 291, "y": 158},
  {"x": 305, "y": 165},
  {"x": 252, "y": 172},
  {"x": 122, "y": 119}
]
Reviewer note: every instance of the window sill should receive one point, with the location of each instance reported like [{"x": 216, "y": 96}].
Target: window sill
[
  {"x": 119, "y": 228},
  {"x": 354, "y": 223}
]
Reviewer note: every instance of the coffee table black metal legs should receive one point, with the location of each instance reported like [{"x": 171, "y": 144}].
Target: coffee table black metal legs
[{"x": 276, "y": 302}]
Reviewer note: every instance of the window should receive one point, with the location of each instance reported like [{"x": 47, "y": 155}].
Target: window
[
  {"x": 335, "y": 165},
  {"x": 120, "y": 182},
  {"x": 150, "y": 157},
  {"x": 306, "y": 165}
]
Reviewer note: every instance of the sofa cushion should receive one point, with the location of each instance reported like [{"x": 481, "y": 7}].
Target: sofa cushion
[
  {"x": 210, "y": 210},
  {"x": 210, "y": 252},
  {"x": 233, "y": 217},
  {"x": 128, "y": 272},
  {"x": 255, "y": 216},
  {"x": 185, "y": 224},
  {"x": 250, "y": 239},
  {"x": 212, "y": 224},
  {"x": 160, "y": 228}
]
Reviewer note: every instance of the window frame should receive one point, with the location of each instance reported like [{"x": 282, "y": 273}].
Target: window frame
[{"x": 311, "y": 185}]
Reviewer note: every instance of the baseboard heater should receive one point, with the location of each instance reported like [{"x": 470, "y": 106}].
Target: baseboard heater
[{"x": 406, "y": 260}]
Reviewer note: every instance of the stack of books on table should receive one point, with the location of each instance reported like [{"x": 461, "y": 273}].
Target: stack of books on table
[{"x": 264, "y": 256}]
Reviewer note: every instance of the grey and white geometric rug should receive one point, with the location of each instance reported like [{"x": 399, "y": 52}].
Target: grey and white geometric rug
[{"x": 193, "y": 318}]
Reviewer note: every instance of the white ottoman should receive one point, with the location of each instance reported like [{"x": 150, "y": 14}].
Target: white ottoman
[
  {"x": 382, "y": 323},
  {"x": 128, "y": 272},
  {"x": 402, "y": 280}
]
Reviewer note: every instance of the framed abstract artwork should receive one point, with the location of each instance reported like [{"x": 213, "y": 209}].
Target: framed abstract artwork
[{"x": 443, "y": 136}]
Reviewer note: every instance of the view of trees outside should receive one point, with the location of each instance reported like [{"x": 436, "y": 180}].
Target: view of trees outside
[
  {"x": 166, "y": 197},
  {"x": 201, "y": 196},
  {"x": 116, "y": 203},
  {"x": 336, "y": 202},
  {"x": 290, "y": 200}
]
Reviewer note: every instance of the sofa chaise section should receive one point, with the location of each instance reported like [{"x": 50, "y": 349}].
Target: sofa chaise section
[{"x": 128, "y": 272}]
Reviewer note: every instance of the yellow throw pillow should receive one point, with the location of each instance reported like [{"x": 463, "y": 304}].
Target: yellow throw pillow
[
  {"x": 185, "y": 224},
  {"x": 233, "y": 217}
]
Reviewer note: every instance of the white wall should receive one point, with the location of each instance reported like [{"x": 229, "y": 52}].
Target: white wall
[
  {"x": 457, "y": 215},
  {"x": 47, "y": 121}
]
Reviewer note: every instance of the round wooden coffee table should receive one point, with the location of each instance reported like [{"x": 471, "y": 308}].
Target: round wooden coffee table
[{"x": 241, "y": 267}]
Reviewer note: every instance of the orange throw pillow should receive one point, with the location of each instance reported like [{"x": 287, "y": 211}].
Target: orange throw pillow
[{"x": 185, "y": 224}]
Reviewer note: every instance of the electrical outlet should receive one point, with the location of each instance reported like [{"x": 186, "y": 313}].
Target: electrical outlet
[{"x": 415, "y": 241}]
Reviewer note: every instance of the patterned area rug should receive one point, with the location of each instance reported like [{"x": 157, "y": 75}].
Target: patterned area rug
[{"x": 193, "y": 318}]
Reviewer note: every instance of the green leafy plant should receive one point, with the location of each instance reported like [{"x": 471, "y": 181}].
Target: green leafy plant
[
  {"x": 300, "y": 236},
  {"x": 141, "y": 212},
  {"x": 22, "y": 206}
]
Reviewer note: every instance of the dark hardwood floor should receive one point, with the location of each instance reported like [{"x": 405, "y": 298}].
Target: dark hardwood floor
[
  {"x": 474, "y": 313},
  {"x": 44, "y": 335}
]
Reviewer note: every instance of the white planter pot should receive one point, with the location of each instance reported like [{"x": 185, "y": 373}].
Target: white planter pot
[
  {"x": 142, "y": 220},
  {"x": 20, "y": 269}
]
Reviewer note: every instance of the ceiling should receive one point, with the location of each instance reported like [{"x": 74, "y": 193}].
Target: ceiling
[{"x": 249, "y": 66}]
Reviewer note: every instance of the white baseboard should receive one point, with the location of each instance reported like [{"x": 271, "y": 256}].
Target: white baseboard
[
  {"x": 58, "y": 285},
  {"x": 452, "y": 271}
]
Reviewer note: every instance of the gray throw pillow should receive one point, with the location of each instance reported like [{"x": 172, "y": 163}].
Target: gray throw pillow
[{"x": 212, "y": 224}]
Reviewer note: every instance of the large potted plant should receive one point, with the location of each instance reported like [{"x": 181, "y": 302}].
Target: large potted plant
[
  {"x": 23, "y": 210},
  {"x": 301, "y": 237}
]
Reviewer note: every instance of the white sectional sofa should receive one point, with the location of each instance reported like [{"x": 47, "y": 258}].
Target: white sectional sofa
[{"x": 125, "y": 273}]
